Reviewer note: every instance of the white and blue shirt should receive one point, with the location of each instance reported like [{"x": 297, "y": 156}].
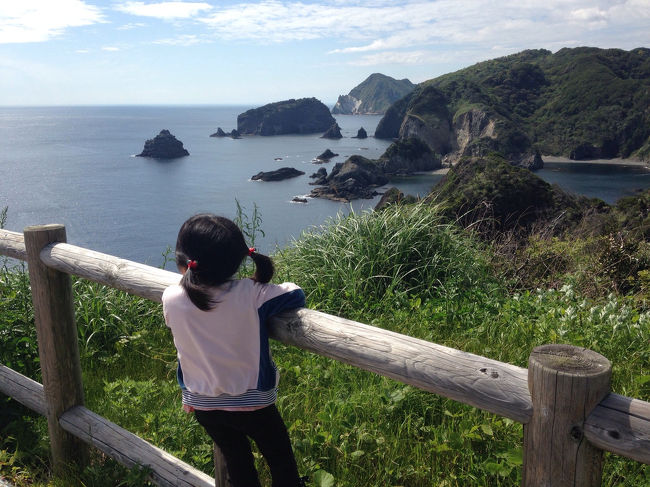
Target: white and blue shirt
[{"x": 224, "y": 360}]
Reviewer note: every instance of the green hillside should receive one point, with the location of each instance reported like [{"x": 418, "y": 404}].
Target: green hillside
[
  {"x": 374, "y": 95},
  {"x": 582, "y": 103}
]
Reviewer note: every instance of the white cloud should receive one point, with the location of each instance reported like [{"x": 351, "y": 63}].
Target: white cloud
[
  {"x": 164, "y": 10},
  {"x": 279, "y": 21},
  {"x": 183, "y": 40},
  {"x": 421, "y": 25},
  {"x": 110, "y": 48},
  {"x": 397, "y": 57},
  {"x": 41, "y": 20},
  {"x": 132, "y": 25}
]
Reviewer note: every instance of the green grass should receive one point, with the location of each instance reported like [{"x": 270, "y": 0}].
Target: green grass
[{"x": 405, "y": 269}]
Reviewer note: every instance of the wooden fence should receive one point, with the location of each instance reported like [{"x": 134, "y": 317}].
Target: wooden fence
[{"x": 563, "y": 399}]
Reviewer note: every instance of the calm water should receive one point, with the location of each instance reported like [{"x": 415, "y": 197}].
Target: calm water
[{"x": 75, "y": 166}]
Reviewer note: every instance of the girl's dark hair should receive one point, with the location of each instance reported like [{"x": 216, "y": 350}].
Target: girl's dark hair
[{"x": 216, "y": 248}]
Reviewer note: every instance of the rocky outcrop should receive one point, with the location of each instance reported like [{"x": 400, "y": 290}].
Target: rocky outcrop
[
  {"x": 515, "y": 199},
  {"x": 303, "y": 116},
  {"x": 472, "y": 125},
  {"x": 389, "y": 125},
  {"x": 358, "y": 177},
  {"x": 219, "y": 133},
  {"x": 437, "y": 136},
  {"x": 355, "y": 178},
  {"x": 530, "y": 161},
  {"x": 361, "y": 134},
  {"x": 278, "y": 174},
  {"x": 164, "y": 146},
  {"x": 407, "y": 156},
  {"x": 474, "y": 132},
  {"x": 334, "y": 132},
  {"x": 319, "y": 177},
  {"x": 394, "y": 197},
  {"x": 325, "y": 156},
  {"x": 346, "y": 105},
  {"x": 532, "y": 100},
  {"x": 373, "y": 96}
]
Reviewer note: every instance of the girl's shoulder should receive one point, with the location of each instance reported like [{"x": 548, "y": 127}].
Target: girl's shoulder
[
  {"x": 175, "y": 291},
  {"x": 263, "y": 292}
]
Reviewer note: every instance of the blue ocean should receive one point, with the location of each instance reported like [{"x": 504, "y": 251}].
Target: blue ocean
[{"x": 77, "y": 166}]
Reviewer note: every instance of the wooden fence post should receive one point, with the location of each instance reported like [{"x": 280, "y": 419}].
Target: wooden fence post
[
  {"x": 220, "y": 471},
  {"x": 565, "y": 383},
  {"x": 57, "y": 345}
]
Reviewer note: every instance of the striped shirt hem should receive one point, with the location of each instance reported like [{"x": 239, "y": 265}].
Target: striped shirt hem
[{"x": 250, "y": 398}]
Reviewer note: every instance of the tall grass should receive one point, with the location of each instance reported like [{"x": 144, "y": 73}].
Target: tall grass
[
  {"x": 368, "y": 261},
  {"x": 403, "y": 269}
]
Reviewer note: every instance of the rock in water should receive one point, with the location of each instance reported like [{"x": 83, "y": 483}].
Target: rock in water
[
  {"x": 277, "y": 175},
  {"x": 334, "y": 132},
  {"x": 303, "y": 116},
  {"x": 326, "y": 156},
  {"x": 219, "y": 133},
  {"x": 319, "y": 177},
  {"x": 353, "y": 179},
  {"x": 164, "y": 146},
  {"x": 361, "y": 134}
]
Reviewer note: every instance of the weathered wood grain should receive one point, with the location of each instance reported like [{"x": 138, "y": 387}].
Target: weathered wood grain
[
  {"x": 132, "y": 277},
  {"x": 131, "y": 450},
  {"x": 12, "y": 244},
  {"x": 481, "y": 382},
  {"x": 566, "y": 383},
  {"x": 621, "y": 425},
  {"x": 23, "y": 389},
  {"x": 58, "y": 349}
]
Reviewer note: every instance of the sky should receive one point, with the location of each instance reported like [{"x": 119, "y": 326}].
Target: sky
[{"x": 102, "y": 52}]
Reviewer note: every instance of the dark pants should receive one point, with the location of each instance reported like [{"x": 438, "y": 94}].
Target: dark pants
[{"x": 230, "y": 431}]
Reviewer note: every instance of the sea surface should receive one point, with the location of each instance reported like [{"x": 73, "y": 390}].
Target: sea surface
[{"x": 77, "y": 166}]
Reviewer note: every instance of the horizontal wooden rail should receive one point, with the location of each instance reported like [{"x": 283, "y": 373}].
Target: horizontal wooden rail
[
  {"x": 138, "y": 279},
  {"x": 618, "y": 424},
  {"x": 621, "y": 425},
  {"x": 118, "y": 443},
  {"x": 471, "y": 379},
  {"x": 131, "y": 450},
  {"x": 26, "y": 391},
  {"x": 12, "y": 244}
]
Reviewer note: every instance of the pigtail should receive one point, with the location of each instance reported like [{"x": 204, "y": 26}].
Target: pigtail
[
  {"x": 264, "y": 268},
  {"x": 199, "y": 294}
]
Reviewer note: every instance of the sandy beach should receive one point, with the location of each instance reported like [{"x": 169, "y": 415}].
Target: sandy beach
[
  {"x": 617, "y": 161},
  {"x": 565, "y": 160}
]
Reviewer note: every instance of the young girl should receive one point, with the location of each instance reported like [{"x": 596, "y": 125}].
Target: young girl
[{"x": 225, "y": 369}]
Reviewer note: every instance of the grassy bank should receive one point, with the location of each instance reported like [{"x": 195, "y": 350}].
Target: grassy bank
[{"x": 406, "y": 269}]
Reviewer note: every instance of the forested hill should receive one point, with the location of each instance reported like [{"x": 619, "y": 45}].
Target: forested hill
[
  {"x": 374, "y": 95},
  {"x": 581, "y": 103}
]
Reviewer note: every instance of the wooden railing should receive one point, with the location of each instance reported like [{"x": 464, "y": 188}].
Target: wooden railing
[{"x": 563, "y": 399}]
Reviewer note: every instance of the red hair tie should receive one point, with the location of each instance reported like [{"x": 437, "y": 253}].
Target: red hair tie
[
  {"x": 192, "y": 264},
  {"x": 250, "y": 251}
]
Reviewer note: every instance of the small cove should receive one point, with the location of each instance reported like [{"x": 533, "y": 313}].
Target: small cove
[{"x": 75, "y": 165}]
